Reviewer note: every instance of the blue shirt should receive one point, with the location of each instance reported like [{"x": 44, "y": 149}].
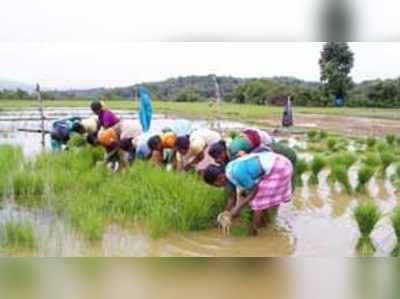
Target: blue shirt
[{"x": 247, "y": 171}]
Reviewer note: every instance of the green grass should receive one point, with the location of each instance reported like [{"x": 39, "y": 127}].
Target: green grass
[
  {"x": 76, "y": 184},
  {"x": 10, "y": 161},
  {"x": 317, "y": 164},
  {"x": 300, "y": 168},
  {"x": 366, "y": 214},
  {"x": 365, "y": 173},
  {"x": 396, "y": 227},
  {"x": 17, "y": 235}
]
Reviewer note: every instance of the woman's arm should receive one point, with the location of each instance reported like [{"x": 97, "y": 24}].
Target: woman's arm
[{"x": 235, "y": 211}]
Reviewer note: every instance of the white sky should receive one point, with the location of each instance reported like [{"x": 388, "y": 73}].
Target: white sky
[
  {"x": 83, "y": 65},
  {"x": 89, "y": 43}
]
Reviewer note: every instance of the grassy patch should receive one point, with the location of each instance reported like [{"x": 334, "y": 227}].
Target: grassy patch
[
  {"x": 17, "y": 235},
  {"x": 367, "y": 214},
  {"x": 78, "y": 185}
]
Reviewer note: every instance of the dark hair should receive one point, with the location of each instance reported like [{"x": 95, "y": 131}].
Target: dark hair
[
  {"x": 217, "y": 149},
  {"x": 78, "y": 127},
  {"x": 212, "y": 172},
  {"x": 96, "y": 106},
  {"x": 153, "y": 142},
  {"x": 92, "y": 138},
  {"x": 183, "y": 142}
]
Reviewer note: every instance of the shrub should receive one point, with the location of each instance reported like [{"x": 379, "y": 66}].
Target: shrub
[
  {"x": 396, "y": 228},
  {"x": 367, "y": 214},
  {"x": 18, "y": 235},
  {"x": 317, "y": 164}
]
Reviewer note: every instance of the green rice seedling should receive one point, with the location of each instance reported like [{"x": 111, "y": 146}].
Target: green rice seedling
[
  {"x": 17, "y": 235},
  {"x": 387, "y": 158},
  {"x": 391, "y": 139},
  {"x": 367, "y": 214},
  {"x": 396, "y": 228},
  {"x": 331, "y": 143},
  {"x": 76, "y": 140},
  {"x": 382, "y": 146},
  {"x": 339, "y": 173},
  {"x": 317, "y": 164},
  {"x": 28, "y": 185},
  {"x": 11, "y": 158},
  {"x": 372, "y": 159},
  {"x": 371, "y": 141},
  {"x": 365, "y": 173},
  {"x": 300, "y": 168},
  {"x": 312, "y": 135},
  {"x": 346, "y": 159},
  {"x": 323, "y": 134}
]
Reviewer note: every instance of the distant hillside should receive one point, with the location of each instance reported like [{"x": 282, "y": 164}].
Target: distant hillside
[
  {"x": 202, "y": 87},
  {"x": 14, "y": 85}
]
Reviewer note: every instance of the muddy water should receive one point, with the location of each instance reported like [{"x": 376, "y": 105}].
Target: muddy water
[{"x": 317, "y": 222}]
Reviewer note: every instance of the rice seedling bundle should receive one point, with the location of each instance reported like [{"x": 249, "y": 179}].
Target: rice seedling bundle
[
  {"x": 17, "y": 235},
  {"x": 317, "y": 164},
  {"x": 323, "y": 134},
  {"x": 390, "y": 139},
  {"x": 312, "y": 135},
  {"x": 11, "y": 158},
  {"x": 76, "y": 140},
  {"x": 372, "y": 159},
  {"x": 382, "y": 146},
  {"x": 367, "y": 215},
  {"x": 365, "y": 173},
  {"x": 387, "y": 158},
  {"x": 300, "y": 168},
  {"x": 371, "y": 141},
  {"x": 339, "y": 173},
  {"x": 331, "y": 143},
  {"x": 396, "y": 228},
  {"x": 346, "y": 159}
]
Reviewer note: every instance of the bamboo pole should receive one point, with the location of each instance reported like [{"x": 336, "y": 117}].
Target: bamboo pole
[
  {"x": 218, "y": 100},
  {"x": 41, "y": 111}
]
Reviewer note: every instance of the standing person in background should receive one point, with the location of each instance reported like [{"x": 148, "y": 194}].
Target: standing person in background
[
  {"x": 145, "y": 108},
  {"x": 107, "y": 118},
  {"x": 193, "y": 150},
  {"x": 61, "y": 131},
  {"x": 287, "y": 118}
]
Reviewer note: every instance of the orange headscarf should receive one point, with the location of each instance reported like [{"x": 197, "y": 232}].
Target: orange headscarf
[
  {"x": 107, "y": 137},
  {"x": 168, "y": 139}
]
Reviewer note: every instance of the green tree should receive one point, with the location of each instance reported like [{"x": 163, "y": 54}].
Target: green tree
[{"x": 336, "y": 63}]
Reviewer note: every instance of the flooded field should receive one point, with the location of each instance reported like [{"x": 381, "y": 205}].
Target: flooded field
[{"x": 317, "y": 222}]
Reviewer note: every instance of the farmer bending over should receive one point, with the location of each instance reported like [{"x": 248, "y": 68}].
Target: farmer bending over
[
  {"x": 107, "y": 118},
  {"x": 61, "y": 132},
  {"x": 193, "y": 149},
  {"x": 263, "y": 180}
]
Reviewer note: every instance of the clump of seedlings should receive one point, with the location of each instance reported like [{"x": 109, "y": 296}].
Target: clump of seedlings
[
  {"x": 372, "y": 159},
  {"x": 312, "y": 135},
  {"x": 76, "y": 140},
  {"x": 339, "y": 174},
  {"x": 391, "y": 139},
  {"x": 331, "y": 143},
  {"x": 17, "y": 235},
  {"x": 365, "y": 173},
  {"x": 10, "y": 161},
  {"x": 371, "y": 141},
  {"x": 396, "y": 228},
  {"x": 387, "y": 158},
  {"x": 300, "y": 168},
  {"x": 323, "y": 134},
  {"x": 317, "y": 164},
  {"x": 367, "y": 215}
]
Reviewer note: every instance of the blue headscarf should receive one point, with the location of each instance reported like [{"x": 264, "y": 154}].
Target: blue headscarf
[{"x": 145, "y": 108}]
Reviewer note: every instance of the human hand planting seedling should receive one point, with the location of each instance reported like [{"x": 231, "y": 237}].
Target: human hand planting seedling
[
  {"x": 224, "y": 220},
  {"x": 396, "y": 228},
  {"x": 367, "y": 214}
]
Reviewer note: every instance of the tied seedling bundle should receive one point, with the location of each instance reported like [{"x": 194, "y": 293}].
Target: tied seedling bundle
[
  {"x": 387, "y": 158},
  {"x": 300, "y": 168},
  {"x": 339, "y": 174},
  {"x": 396, "y": 228},
  {"x": 367, "y": 215},
  {"x": 317, "y": 164},
  {"x": 365, "y": 173}
]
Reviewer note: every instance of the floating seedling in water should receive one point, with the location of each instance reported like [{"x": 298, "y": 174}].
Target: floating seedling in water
[
  {"x": 317, "y": 164},
  {"x": 396, "y": 228},
  {"x": 17, "y": 235},
  {"x": 367, "y": 215},
  {"x": 365, "y": 173},
  {"x": 300, "y": 168}
]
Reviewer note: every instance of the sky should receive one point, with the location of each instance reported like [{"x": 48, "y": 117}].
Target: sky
[{"x": 82, "y": 44}]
